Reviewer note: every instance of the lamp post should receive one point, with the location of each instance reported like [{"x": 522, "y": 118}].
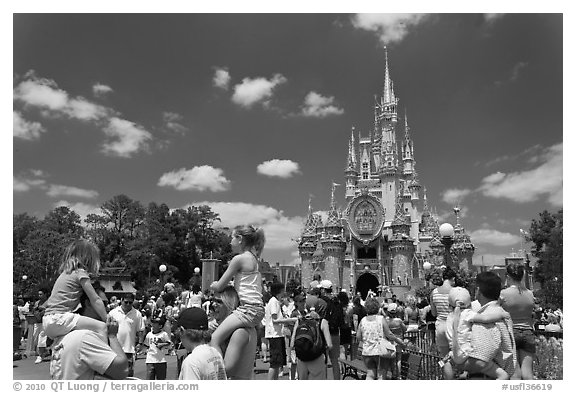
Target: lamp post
[
  {"x": 162, "y": 269},
  {"x": 447, "y": 239}
]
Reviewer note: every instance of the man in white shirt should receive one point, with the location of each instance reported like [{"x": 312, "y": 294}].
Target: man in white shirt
[
  {"x": 131, "y": 327},
  {"x": 204, "y": 362}
]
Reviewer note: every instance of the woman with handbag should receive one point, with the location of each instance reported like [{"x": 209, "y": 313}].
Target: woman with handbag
[{"x": 378, "y": 350}]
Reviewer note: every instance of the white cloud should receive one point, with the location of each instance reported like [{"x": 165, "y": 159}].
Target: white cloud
[
  {"x": 221, "y": 78},
  {"x": 455, "y": 195},
  {"x": 125, "y": 138},
  {"x": 100, "y": 90},
  {"x": 390, "y": 28},
  {"x": 81, "y": 109},
  {"x": 82, "y": 209},
  {"x": 172, "y": 122},
  {"x": 491, "y": 18},
  {"x": 28, "y": 130},
  {"x": 494, "y": 237},
  {"x": 253, "y": 91},
  {"x": 528, "y": 186},
  {"x": 278, "y": 228},
  {"x": 199, "y": 178},
  {"x": 516, "y": 70},
  {"x": 20, "y": 184},
  {"x": 55, "y": 190},
  {"x": 278, "y": 168},
  {"x": 316, "y": 105},
  {"x": 41, "y": 92}
]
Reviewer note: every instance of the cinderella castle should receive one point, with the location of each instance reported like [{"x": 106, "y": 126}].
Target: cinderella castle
[{"x": 387, "y": 232}]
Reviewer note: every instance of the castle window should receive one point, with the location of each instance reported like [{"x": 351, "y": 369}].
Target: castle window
[
  {"x": 365, "y": 175},
  {"x": 365, "y": 165}
]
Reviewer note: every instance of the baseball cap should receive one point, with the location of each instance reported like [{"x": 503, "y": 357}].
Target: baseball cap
[
  {"x": 193, "y": 318},
  {"x": 392, "y": 307},
  {"x": 326, "y": 284},
  {"x": 314, "y": 284}
]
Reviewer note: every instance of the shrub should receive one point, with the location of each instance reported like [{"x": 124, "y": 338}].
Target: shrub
[{"x": 549, "y": 360}]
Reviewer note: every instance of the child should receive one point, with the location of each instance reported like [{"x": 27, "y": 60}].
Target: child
[
  {"x": 80, "y": 258},
  {"x": 398, "y": 328},
  {"x": 156, "y": 341},
  {"x": 204, "y": 361},
  {"x": 249, "y": 242},
  {"x": 459, "y": 332}
]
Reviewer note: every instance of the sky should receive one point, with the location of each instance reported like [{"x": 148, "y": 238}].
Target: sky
[{"x": 252, "y": 113}]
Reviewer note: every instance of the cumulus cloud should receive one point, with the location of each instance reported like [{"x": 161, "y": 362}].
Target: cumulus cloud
[
  {"x": 221, "y": 78},
  {"x": 514, "y": 74},
  {"x": 200, "y": 178},
  {"x": 82, "y": 209},
  {"x": 494, "y": 237},
  {"x": 390, "y": 28},
  {"x": 57, "y": 190},
  {"x": 455, "y": 195},
  {"x": 28, "y": 130},
  {"x": 278, "y": 168},
  {"x": 125, "y": 138},
  {"x": 100, "y": 90},
  {"x": 527, "y": 186},
  {"x": 21, "y": 184},
  {"x": 257, "y": 90},
  {"x": 278, "y": 228},
  {"x": 173, "y": 122},
  {"x": 316, "y": 105}
]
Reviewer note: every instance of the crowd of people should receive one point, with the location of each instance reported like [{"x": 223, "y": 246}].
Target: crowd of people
[{"x": 303, "y": 333}]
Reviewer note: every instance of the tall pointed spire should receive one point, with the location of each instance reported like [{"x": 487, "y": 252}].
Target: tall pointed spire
[
  {"x": 388, "y": 95},
  {"x": 352, "y": 163},
  {"x": 406, "y": 127}
]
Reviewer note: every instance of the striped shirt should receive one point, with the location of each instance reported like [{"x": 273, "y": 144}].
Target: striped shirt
[{"x": 440, "y": 301}]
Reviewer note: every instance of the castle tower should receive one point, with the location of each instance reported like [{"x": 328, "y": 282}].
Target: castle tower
[
  {"x": 307, "y": 244},
  {"x": 351, "y": 172},
  {"x": 401, "y": 244},
  {"x": 462, "y": 249},
  {"x": 333, "y": 244}
]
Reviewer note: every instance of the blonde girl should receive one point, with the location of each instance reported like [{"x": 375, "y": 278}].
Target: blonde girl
[
  {"x": 248, "y": 242},
  {"x": 80, "y": 258}
]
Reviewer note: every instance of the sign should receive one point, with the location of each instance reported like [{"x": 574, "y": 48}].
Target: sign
[{"x": 365, "y": 217}]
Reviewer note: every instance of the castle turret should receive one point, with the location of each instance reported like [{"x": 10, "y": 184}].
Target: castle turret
[
  {"x": 351, "y": 172},
  {"x": 307, "y": 244},
  {"x": 333, "y": 244},
  {"x": 462, "y": 249},
  {"x": 401, "y": 244}
]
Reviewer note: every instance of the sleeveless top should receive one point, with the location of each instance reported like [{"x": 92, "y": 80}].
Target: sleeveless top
[
  {"x": 440, "y": 301},
  {"x": 249, "y": 286},
  {"x": 372, "y": 332}
]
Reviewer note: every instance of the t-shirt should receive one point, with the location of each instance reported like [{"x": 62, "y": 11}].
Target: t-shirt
[
  {"x": 79, "y": 355},
  {"x": 65, "y": 296},
  {"x": 128, "y": 325},
  {"x": 273, "y": 330},
  {"x": 204, "y": 362},
  {"x": 519, "y": 305},
  {"x": 441, "y": 304},
  {"x": 155, "y": 354}
]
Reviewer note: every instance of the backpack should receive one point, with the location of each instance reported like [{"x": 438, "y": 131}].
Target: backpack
[
  {"x": 334, "y": 315},
  {"x": 309, "y": 340}
]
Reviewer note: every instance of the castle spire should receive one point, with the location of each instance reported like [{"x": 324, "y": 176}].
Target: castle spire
[
  {"x": 352, "y": 163},
  {"x": 388, "y": 95}
]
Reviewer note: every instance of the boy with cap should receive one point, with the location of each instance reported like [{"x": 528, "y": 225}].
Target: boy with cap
[
  {"x": 156, "y": 340},
  {"x": 203, "y": 362},
  {"x": 459, "y": 333}
]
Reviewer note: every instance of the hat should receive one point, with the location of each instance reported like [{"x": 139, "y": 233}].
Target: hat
[
  {"x": 193, "y": 318},
  {"x": 314, "y": 284},
  {"x": 461, "y": 295},
  {"x": 326, "y": 284},
  {"x": 392, "y": 307},
  {"x": 153, "y": 297}
]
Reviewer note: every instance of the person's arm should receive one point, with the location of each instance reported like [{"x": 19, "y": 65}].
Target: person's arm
[
  {"x": 233, "y": 267},
  {"x": 490, "y": 316},
  {"x": 432, "y": 305},
  {"x": 277, "y": 318},
  {"x": 95, "y": 300},
  {"x": 455, "y": 323},
  {"x": 389, "y": 335},
  {"x": 235, "y": 352},
  {"x": 326, "y": 331},
  {"x": 118, "y": 369},
  {"x": 293, "y": 334}
]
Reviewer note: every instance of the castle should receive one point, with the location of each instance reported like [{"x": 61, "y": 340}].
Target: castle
[{"x": 386, "y": 232}]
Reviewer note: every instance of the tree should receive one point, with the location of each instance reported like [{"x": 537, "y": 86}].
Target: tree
[{"x": 547, "y": 234}]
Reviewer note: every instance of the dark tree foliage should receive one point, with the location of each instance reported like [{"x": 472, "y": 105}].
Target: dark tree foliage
[{"x": 546, "y": 234}]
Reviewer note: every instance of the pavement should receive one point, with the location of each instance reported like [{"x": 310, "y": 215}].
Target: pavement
[{"x": 26, "y": 369}]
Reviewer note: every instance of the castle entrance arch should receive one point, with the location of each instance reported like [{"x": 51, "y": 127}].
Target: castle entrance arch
[{"x": 365, "y": 282}]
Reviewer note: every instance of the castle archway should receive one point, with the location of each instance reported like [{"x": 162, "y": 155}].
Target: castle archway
[{"x": 366, "y": 282}]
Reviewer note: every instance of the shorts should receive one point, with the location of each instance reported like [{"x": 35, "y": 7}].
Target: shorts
[
  {"x": 277, "y": 352},
  {"x": 313, "y": 369},
  {"x": 525, "y": 340},
  {"x": 56, "y": 325},
  {"x": 250, "y": 315},
  {"x": 441, "y": 338}
]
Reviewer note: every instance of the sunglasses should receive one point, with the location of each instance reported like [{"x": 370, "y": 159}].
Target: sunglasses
[{"x": 128, "y": 302}]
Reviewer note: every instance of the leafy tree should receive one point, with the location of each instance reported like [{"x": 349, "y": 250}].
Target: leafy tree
[{"x": 547, "y": 234}]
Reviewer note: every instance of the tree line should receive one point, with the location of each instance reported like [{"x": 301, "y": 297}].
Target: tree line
[{"x": 129, "y": 235}]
